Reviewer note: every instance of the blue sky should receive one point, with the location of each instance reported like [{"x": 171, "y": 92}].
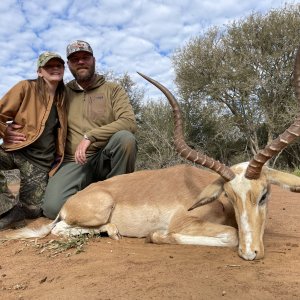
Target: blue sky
[{"x": 126, "y": 35}]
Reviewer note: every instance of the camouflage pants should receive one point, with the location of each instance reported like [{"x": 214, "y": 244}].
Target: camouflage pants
[{"x": 33, "y": 182}]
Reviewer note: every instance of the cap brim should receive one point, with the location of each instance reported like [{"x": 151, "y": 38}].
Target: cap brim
[
  {"x": 55, "y": 57},
  {"x": 80, "y": 51}
]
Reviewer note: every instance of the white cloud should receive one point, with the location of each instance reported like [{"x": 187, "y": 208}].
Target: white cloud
[{"x": 127, "y": 36}]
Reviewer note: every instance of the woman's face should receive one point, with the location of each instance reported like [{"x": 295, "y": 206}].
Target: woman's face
[{"x": 53, "y": 71}]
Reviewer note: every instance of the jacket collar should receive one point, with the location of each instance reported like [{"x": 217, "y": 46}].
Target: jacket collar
[{"x": 98, "y": 81}]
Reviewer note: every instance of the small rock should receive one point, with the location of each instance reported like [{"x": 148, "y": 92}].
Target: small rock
[{"x": 43, "y": 280}]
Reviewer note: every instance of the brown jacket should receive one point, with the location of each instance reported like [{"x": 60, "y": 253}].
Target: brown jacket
[{"x": 20, "y": 105}]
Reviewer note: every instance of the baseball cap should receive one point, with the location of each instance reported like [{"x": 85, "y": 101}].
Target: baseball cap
[
  {"x": 78, "y": 45},
  {"x": 46, "y": 56}
]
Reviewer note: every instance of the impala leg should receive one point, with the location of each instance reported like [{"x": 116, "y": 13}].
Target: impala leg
[
  {"x": 112, "y": 231},
  {"x": 66, "y": 230},
  {"x": 90, "y": 209},
  {"x": 198, "y": 233},
  {"x": 87, "y": 212}
]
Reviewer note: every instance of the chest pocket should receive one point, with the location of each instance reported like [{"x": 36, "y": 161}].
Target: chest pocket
[{"x": 96, "y": 107}]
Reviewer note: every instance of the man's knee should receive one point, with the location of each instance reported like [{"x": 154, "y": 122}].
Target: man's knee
[{"x": 126, "y": 140}]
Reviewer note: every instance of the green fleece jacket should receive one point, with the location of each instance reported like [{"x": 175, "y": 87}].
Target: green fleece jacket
[{"x": 98, "y": 112}]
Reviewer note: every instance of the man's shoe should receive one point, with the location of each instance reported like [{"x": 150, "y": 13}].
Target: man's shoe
[{"x": 12, "y": 219}]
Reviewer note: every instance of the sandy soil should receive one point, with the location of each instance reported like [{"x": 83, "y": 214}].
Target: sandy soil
[{"x": 132, "y": 269}]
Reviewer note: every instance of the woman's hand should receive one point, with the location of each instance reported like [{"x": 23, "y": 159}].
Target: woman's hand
[{"x": 12, "y": 136}]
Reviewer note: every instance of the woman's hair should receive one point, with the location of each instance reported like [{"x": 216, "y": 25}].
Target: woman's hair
[{"x": 41, "y": 90}]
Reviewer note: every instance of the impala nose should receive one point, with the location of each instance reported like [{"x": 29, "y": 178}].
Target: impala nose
[{"x": 247, "y": 255}]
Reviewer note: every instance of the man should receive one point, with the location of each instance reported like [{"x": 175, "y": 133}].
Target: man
[{"x": 100, "y": 141}]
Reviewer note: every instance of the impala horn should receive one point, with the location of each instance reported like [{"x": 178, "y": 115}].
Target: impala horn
[{"x": 181, "y": 147}]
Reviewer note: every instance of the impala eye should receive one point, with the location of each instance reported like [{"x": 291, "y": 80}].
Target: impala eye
[{"x": 263, "y": 198}]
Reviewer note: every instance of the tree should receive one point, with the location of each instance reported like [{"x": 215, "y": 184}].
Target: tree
[
  {"x": 155, "y": 136},
  {"x": 244, "y": 72},
  {"x": 136, "y": 94},
  {"x": 212, "y": 132}
]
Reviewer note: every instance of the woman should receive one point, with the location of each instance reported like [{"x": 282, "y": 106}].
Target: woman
[{"x": 33, "y": 113}]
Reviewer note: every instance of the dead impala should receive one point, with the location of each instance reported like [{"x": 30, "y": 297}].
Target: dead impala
[{"x": 181, "y": 204}]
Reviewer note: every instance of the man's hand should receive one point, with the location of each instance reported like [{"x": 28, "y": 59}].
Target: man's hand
[
  {"x": 12, "y": 136},
  {"x": 80, "y": 153}
]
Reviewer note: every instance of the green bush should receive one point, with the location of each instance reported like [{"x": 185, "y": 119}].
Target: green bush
[{"x": 297, "y": 172}]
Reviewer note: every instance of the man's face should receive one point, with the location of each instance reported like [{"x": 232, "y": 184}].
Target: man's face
[{"x": 82, "y": 66}]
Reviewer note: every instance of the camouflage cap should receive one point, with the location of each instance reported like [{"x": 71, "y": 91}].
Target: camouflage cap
[
  {"x": 46, "y": 56},
  {"x": 78, "y": 46}
]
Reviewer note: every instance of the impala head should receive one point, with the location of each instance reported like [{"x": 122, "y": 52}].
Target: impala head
[
  {"x": 249, "y": 199},
  {"x": 247, "y": 185}
]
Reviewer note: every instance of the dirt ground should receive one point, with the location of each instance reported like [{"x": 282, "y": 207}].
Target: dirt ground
[{"x": 132, "y": 269}]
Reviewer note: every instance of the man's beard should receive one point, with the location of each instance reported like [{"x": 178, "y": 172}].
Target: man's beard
[{"x": 86, "y": 77}]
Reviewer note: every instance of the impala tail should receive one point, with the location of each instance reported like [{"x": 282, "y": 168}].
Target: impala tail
[{"x": 28, "y": 232}]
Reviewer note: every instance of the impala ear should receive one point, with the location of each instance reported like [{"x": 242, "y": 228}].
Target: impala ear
[
  {"x": 284, "y": 180},
  {"x": 210, "y": 193}
]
